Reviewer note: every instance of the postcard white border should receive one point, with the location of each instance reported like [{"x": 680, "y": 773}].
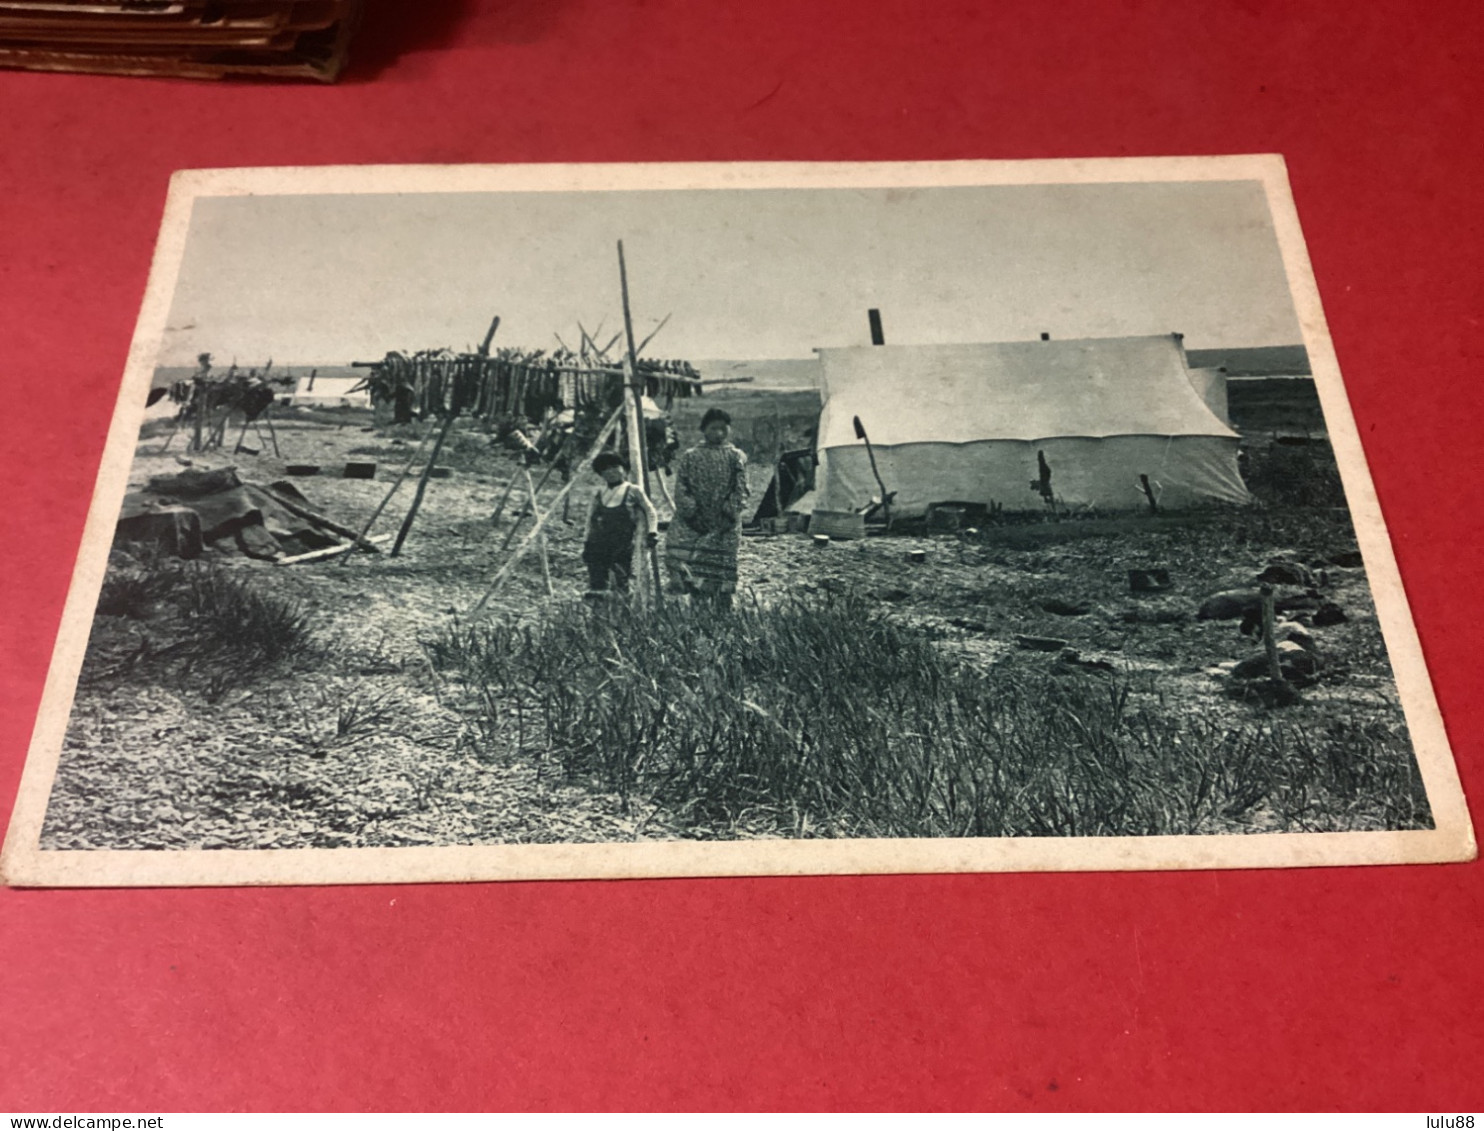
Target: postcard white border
[{"x": 24, "y": 863}]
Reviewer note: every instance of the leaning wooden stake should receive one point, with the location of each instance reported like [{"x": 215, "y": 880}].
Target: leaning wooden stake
[
  {"x": 387, "y": 498},
  {"x": 541, "y": 539},
  {"x": 342, "y": 551},
  {"x": 530, "y": 538},
  {"x": 272, "y": 433},
  {"x": 1269, "y": 640},
  {"x": 315, "y": 517},
  {"x": 860, "y": 434},
  {"x": 246, "y": 422},
  {"x": 1149, "y": 494},
  {"x": 659, "y": 479},
  {"x": 422, "y": 482},
  {"x": 520, "y": 518},
  {"x": 633, "y": 399},
  {"x": 505, "y": 498},
  {"x": 174, "y": 428}
]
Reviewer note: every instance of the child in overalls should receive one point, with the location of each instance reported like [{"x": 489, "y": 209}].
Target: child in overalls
[{"x": 612, "y": 518}]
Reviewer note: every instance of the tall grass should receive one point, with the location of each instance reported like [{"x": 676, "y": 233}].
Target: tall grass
[
  {"x": 205, "y": 626},
  {"x": 825, "y": 718},
  {"x": 228, "y": 614}
]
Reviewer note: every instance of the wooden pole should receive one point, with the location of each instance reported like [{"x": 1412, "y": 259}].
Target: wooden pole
[
  {"x": 633, "y": 399},
  {"x": 541, "y": 538},
  {"x": 328, "y": 523},
  {"x": 198, "y": 412},
  {"x": 556, "y": 457},
  {"x": 640, "y": 347},
  {"x": 341, "y": 551},
  {"x": 1269, "y": 642},
  {"x": 1149, "y": 494},
  {"x": 505, "y": 498},
  {"x": 452, "y": 407},
  {"x": 272, "y": 433},
  {"x": 422, "y": 482},
  {"x": 387, "y": 498},
  {"x": 659, "y": 479},
  {"x": 173, "y": 430},
  {"x": 633, "y": 391},
  {"x": 860, "y": 432},
  {"x": 514, "y": 526},
  {"x": 484, "y": 348},
  {"x": 530, "y": 538}
]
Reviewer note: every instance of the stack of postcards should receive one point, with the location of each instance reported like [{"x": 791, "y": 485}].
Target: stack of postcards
[{"x": 185, "y": 38}]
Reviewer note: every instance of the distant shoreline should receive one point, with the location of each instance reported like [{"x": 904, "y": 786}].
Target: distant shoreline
[{"x": 800, "y": 374}]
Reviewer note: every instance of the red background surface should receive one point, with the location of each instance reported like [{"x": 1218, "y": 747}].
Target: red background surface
[{"x": 1316, "y": 989}]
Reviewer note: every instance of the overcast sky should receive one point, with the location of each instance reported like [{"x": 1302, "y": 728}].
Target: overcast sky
[{"x": 329, "y": 279}]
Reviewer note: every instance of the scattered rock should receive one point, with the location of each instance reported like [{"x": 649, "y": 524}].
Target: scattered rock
[
  {"x": 1041, "y": 643},
  {"x": 1298, "y": 665},
  {"x": 1153, "y": 616},
  {"x": 1231, "y": 604},
  {"x": 1073, "y": 658},
  {"x": 1328, "y": 613},
  {"x": 1295, "y": 633},
  {"x": 1347, "y": 559},
  {"x": 1265, "y": 691},
  {"x": 1148, "y": 580},
  {"x": 359, "y": 470},
  {"x": 893, "y": 595},
  {"x": 1057, "y": 607},
  {"x": 1285, "y": 572}
]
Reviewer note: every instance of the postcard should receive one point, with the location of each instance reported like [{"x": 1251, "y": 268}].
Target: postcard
[{"x": 604, "y": 521}]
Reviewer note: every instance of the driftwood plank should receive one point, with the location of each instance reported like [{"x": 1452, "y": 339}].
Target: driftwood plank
[{"x": 329, "y": 551}]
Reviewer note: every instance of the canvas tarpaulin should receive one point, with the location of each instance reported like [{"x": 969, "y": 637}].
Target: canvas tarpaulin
[
  {"x": 965, "y": 423},
  {"x": 184, "y": 512}
]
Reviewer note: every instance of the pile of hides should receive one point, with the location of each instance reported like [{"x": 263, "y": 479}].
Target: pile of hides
[{"x": 182, "y": 514}]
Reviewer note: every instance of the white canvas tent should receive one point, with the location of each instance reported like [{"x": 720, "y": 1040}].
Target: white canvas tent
[
  {"x": 965, "y": 423},
  {"x": 1210, "y": 383}
]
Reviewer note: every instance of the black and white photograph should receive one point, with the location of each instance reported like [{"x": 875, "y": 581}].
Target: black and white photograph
[{"x": 465, "y": 523}]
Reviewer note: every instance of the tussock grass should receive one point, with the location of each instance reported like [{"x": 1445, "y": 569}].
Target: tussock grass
[
  {"x": 228, "y": 614},
  {"x": 823, "y": 718},
  {"x": 134, "y": 592},
  {"x": 203, "y": 625}
]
